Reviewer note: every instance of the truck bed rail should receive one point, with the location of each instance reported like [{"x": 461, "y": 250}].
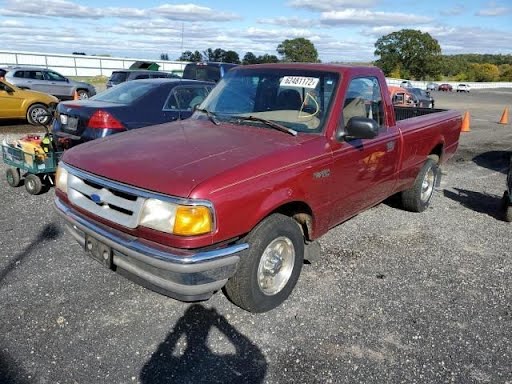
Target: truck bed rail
[{"x": 403, "y": 113}]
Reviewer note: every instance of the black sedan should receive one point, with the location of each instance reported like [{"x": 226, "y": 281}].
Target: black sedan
[
  {"x": 130, "y": 105},
  {"x": 422, "y": 99}
]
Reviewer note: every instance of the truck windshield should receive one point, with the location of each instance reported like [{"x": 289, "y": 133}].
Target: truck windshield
[{"x": 294, "y": 98}]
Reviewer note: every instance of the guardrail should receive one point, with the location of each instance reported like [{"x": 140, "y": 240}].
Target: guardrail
[{"x": 80, "y": 65}]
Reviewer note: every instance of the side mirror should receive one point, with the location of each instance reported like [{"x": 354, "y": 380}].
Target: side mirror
[{"x": 358, "y": 128}]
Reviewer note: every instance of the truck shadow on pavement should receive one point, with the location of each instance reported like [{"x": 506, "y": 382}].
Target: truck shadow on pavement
[
  {"x": 10, "y": 371},
  {"x": 477, "y": 201},
  {"x": 195, "y": 362},
  {"x": 497, "y": 161},
  {"x": 49, "y": 232}
]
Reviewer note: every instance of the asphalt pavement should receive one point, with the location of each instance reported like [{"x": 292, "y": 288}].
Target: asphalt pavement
[{"x": 397, "y": 297}]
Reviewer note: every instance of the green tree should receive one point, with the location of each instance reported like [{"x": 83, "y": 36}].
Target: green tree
[
  {"x": 266, "y": 58},
  {"x": 505, "y": 72},
  {"x": 191, "y": 56},
  {"x": 231, "y": 57},
  {"x": 250, "y": 58},
  {"x": 415, "y": 52},
  {"x": 298, "y": 50},
  {"x": 485, "y": 72},
  {"x": 214, "y": 54}
]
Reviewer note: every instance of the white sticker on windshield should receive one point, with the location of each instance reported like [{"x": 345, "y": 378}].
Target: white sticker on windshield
[{"x": 299, "y": 81}]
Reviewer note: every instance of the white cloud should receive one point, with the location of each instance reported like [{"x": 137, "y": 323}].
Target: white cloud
[
  {"x": 454, "y": 11},
  {"x": 326, "y": 5},
  {"x": 365, "y": 17},
  {"x": 190, "y": 12},
  {"x": 455, "y": 40},
  {"x": 293, "y": 21},
  {"x": 68, "y": 9},
  {"x": 494, "y": 10}
]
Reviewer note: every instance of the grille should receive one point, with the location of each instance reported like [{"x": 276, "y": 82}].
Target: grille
[{"x": 105, "y": 201}]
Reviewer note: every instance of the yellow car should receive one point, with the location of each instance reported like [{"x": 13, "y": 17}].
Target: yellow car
[{"x": 16, "y": 103}]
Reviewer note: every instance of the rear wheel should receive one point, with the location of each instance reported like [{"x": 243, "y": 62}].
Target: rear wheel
[
  {"x": 82, "y": 94},
  {"x": 33, "y": 184},
  {"x": 13, "y": 177},
  {"x": 38, "y": 114},
  {"x": 269, "y": 270},
  {"x": 417, "y": 198}
]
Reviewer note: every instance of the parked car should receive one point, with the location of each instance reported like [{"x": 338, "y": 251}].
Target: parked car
[
  {"x": 118, "y": 77},
  {"x": 445, "y": 88},
  {"x": 48, "y": 81},
  {"x": 235, "y": 197},
  {"x": 432, "y": 87},
  {"x": 401, "y": 96},
  {"x": 130, "y": 105},
  {"x": 16, "y": 103},
  {"x": 422, "y": 98},
  {"x": 207, "y": 71},
  {"x": 406, "y": 84},
  {"x": 463, "y": 88}
]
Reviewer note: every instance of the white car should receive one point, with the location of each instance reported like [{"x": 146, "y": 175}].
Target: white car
[{"x": 463, "y": 88}]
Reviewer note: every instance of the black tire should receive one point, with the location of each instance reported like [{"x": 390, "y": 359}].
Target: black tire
[
  {"x": 13, "y": 177},
  {"x": 508, "y": 214},
  {"x": 35, "y": 111},
  {"x": 33, "y": 184},
  {"x": 418, "y": 197},
  {"x": 82, "y": 94},
  {"x": 258, "y": 286},
  {"x": 507, "y": 207}
]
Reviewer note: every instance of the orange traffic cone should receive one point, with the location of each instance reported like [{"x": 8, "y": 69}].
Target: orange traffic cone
[
  {"x": 504, "y": 117},
  {"x": 75, "y": 96},
  {"x": 465, "y": 123}
]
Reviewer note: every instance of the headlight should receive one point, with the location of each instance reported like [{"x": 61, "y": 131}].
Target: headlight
[
  {"x": 61, "y": 179},
  {"x": 182, "y": 220}
]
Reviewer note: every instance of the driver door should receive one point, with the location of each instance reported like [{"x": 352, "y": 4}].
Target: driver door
[
  {"x": 364, "y": 170},
  {"x": 10, "y": 102}
]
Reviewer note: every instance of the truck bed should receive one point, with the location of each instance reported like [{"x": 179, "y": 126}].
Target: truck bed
[{"x": 403, "y": 113}]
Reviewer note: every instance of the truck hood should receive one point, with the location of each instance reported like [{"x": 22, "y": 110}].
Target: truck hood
[{"x": 173, "y": 158}]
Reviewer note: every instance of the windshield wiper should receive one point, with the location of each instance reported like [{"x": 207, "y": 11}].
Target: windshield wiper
[
  {"x": 210, "y": 115},
  {"x": 270, "y": 123}
]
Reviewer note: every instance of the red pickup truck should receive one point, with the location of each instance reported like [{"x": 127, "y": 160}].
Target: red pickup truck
[{"x": 235, "y": 197}]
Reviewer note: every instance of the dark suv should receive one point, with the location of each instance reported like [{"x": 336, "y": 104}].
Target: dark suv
[
  {"x": 121, "y": 76},
  {"x": 209, "y": 71}
]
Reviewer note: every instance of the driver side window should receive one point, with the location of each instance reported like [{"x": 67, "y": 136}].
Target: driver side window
[{"x": 363, "y": 99}]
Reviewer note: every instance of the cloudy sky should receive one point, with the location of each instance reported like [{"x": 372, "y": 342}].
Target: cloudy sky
[{"x": 342, "y": 30}]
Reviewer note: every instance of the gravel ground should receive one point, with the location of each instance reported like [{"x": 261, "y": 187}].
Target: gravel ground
[{"x": 397, "y": 297}]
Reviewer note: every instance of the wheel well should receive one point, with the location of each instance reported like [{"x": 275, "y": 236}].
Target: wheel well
[
  {"x": 36, "y": 103},
  {"x": 437, "y": 151},
  {"x": 301, "y": 213}
]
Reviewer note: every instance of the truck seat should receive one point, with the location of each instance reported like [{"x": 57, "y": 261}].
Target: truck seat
[{"x": 354, "y": 107}]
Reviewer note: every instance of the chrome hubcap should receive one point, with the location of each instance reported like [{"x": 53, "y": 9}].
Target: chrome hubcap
[
  {"x": 427, "y": 186},
  {"x": 38, "y": 115},
  {"x": 276, "y": 265}
]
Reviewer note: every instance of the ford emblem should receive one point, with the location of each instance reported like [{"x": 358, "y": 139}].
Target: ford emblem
[{"x": 96, "y": 198}]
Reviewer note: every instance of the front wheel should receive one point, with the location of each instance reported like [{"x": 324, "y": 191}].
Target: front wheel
[
  {"x": 417, "y": 198},
  {"x": 38, "y": 114},
  {"x": 270, "y": 268},
  {"x": 33, "y": 184}
]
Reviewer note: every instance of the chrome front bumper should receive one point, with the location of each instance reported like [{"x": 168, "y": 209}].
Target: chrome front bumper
[{"x": 186, "y": 275}]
